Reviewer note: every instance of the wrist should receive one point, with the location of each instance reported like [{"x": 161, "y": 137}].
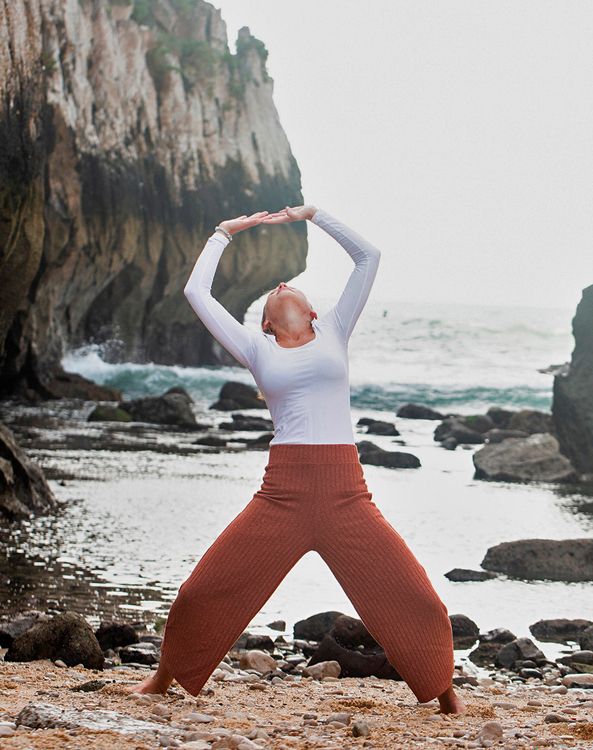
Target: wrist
[{"x": 312, "y": 212}]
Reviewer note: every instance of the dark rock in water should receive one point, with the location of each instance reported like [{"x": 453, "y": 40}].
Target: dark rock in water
[
  {"x": 246, "y": 423},
  {"x": 418, "y": 411},
  {"x": 259, "y": 443},
  {"x": 370, "y": 453},
  {"x": 180, "y": 391},
  {"x": 139, "y": 653},
  {"x": 114, "y": 634},
  {"x": 477, "y": 422},
  {"x": 497, "y": 635},
  {"x": 500, "y": 417},
  {"x": 463, "y": 574},
  {"x": 11, "y": 629},
  {"x": 277, "y": 625},
  {"x": 364, "y": 421},
  {"x": 559, "y": 630},
  {"x": 313, "y": 628},
  {"x": 531, "y": 421},
  {"x": 498, "y": 435},
  {"x": 64, "y": 384},
  {"x": 455, "y": 428},
  {"x": 465, "y": 630},
  {"x": 67, "y": 636},
  {"x": 236, "y": 395},
  {"x": 172, "y": 408},
  {"x": 572, "y": 406},
  {"x": 517, "y": 651},
  {"x": 210, "y": 440},
  {"x": 261, "y": 642},
  {"x": 47, "y": 716},
  {"x": 24, "y": 490},
  {"x": 586, "y": 638},
  {"x": 354, "y": 663},
  {"x": 543, "y": 559},
  {"x": 485, "y": 653},
  {"x": 449, "y": 443},
  {"x": 578, "y": 657},
  {"x": 351, "y": 632},
  {"x": 107, "y": 413},
  {"x": 378, "y": 427},
  {"x": 536, "y": 458}
]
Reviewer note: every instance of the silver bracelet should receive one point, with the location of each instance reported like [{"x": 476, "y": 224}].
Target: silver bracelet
[{"x": 227, "y": 234}]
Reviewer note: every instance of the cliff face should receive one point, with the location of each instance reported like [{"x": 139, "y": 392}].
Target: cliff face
[
  {"x": 127, "y": 131},
  {"x": 572, "y": 407}
]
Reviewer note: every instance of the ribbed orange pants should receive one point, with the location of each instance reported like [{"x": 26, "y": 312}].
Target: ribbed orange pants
[{"x": 312, "y": 497}]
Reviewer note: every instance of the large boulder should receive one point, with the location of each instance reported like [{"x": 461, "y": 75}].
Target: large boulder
[
  {"x": 23, "y": 488},
  {"x": 543, "y": 559},
  {"x": 67, "y": 636},
  {"x": 236, "y": 395},
  {"x": 314, "y": 628},
  {"x": 418, "y": 411},
  {"x": 572, "y": 407},
  {"x": 535, "y": 458},
  {"x": 170, "y": 408},
  {"x": 513, "y": 653},
  {"x": 457, "y": 430},
  {"x": 559, "y": 630}
]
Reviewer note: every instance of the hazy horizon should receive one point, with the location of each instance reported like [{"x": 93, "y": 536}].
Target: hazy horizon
[{"x": 456, "y": 137}]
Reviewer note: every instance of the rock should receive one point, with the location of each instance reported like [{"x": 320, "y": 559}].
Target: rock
[
  {"x": 139, "y": 653},
  {"x": 172, "y": 409},
  {"x": 585, "y": 639},
  {"x": 210, "y": 440},
  {"x": 277, "y": 625},
  {"x": 259, "y": 443},
  {"x": 485, "y": 653},
  {"x": 236, "y": 395},
  {"x": 584, "y": 681},
  {"x": 322, "y": 669},
  {"x": 572, "y": 407},
  {"x": 261, "y": 642},
  {"x": 577, "y": 657},
  {"x": 449, "y": 443},
  {"x": 465, "y": 631},
  {"x": 108, "y": 413},
  {"x": 370, "y": 453},
  {"x": 497, "y": 635},
  {"x": 353, "y": 663},
  {"x": 543, "y": 559},
  {"x": 554, "y": 718},
  {"x": 536, "y": 458},
  {"x": 497, "y": 435},
  {"x": 61, "y": 384},
  {"x": 360, "y": 729},
  {"x": 519, "y": 650},
  {"x": 90, "y": 686},
  {"x": 258, "y": 660},
  {"x": 463, "y": 574},
  {"x": 11, "y": 629},
  {"x": 315, "y": 627},
  {"x": 559, "y": 630},
  {"x": 491, "y": 730},
  {"x": 454, "y": 428},
  {"x": 114, "y": 634},
  {"x": 24, "y": 490},
  {"x": 418, "y": 411},
  {"x": 500, "y": 417},
  {"x": 531, "y": 421},
  {"x": 477, "y": 423},
  {"x": 67, "y": 636},
  {"x": 351, "y": 633},
  {"x": 377, "y": 427},
  {"x": 48, "y": 716},
  {"x": 246, "y": 423}
]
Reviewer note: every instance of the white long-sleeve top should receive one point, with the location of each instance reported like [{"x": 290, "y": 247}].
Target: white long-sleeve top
[{"x": 306, "y": 387}]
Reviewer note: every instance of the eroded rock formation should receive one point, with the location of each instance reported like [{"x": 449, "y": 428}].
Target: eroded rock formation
[{"x": 127, "y": 131}]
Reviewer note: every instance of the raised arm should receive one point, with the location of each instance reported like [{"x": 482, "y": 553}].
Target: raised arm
[
  {"x": 366, "y": 257},
  {"x": 234, "y": 336}
]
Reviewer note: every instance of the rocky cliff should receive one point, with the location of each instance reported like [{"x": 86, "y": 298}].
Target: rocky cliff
[
  {"x": 572, "y": 407},
  {"x": 127, "y": 131}
]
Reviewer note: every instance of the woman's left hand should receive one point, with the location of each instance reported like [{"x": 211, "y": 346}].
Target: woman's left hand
[{"x": 297, "y": 213}]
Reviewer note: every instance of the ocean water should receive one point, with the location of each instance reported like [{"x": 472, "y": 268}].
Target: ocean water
[
  {"x": 134, "y": 521},
  {"x": 451, "y": 357}
]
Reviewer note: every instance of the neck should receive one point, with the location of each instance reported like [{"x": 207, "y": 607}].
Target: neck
[{"x": 294, "y": 331}]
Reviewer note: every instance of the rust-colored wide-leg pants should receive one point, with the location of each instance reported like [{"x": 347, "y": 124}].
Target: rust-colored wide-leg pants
[{"x": 312, "y": 497}]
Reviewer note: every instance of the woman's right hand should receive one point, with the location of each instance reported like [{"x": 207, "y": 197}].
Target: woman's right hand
[{"x": 243, "y": 222}]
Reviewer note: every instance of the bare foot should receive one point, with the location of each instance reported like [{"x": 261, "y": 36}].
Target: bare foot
[
  {"x": 450, "y": 702},
  {"x": 156, "y": 683}
]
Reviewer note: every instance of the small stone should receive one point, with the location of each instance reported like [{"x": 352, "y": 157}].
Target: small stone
[
  {"x": 258, "y": 660},
  {"x": 323, "y": 669},
  {"x": 7, "y": 730},
  {"x": 554, "y": 718},
  {"x": 560, "y": 690},
  {"x": 578, "y": 680},
  {"x": 161, "y": 709},
  {"x": 343, "y": 717},
  {"x": 360, "y": 729},
  {"x": 490, "y": 731},
  {"x": 196, "y": 745},
  {"x": 60, "y": 663},
  {"x": 199, "y": 718}
]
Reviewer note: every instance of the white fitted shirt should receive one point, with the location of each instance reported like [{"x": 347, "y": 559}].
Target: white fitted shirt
[{"x": 306, "y": 387}]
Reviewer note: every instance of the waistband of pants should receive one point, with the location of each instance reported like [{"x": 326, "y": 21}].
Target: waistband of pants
[{"x": 335, "y": 453}]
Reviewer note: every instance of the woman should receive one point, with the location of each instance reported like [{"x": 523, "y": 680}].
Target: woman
[{"x": 313, "y": 495}]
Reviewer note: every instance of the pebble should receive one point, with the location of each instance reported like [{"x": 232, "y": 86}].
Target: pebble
[
  {"x": 360, "y": 729},
  {"x": 161, "y": 709},
  {"x": 490, "y": 731},
  {"x": 554, "y": 718},
  {"x": 195, "y": 745},
  {"x": 7, "y": 729},
  {"x": 60, "y": 663},
  {"x": 199, "y": 718}
]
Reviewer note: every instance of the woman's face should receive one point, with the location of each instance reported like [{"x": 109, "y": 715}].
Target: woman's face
[{"x": 284, "y": 303}]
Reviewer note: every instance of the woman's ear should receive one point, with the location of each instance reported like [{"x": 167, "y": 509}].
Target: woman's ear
[{"x": 312, "y": 313}]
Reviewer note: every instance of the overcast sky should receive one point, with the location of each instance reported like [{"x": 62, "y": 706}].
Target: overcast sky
[{"x": 456, "y": 136}]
